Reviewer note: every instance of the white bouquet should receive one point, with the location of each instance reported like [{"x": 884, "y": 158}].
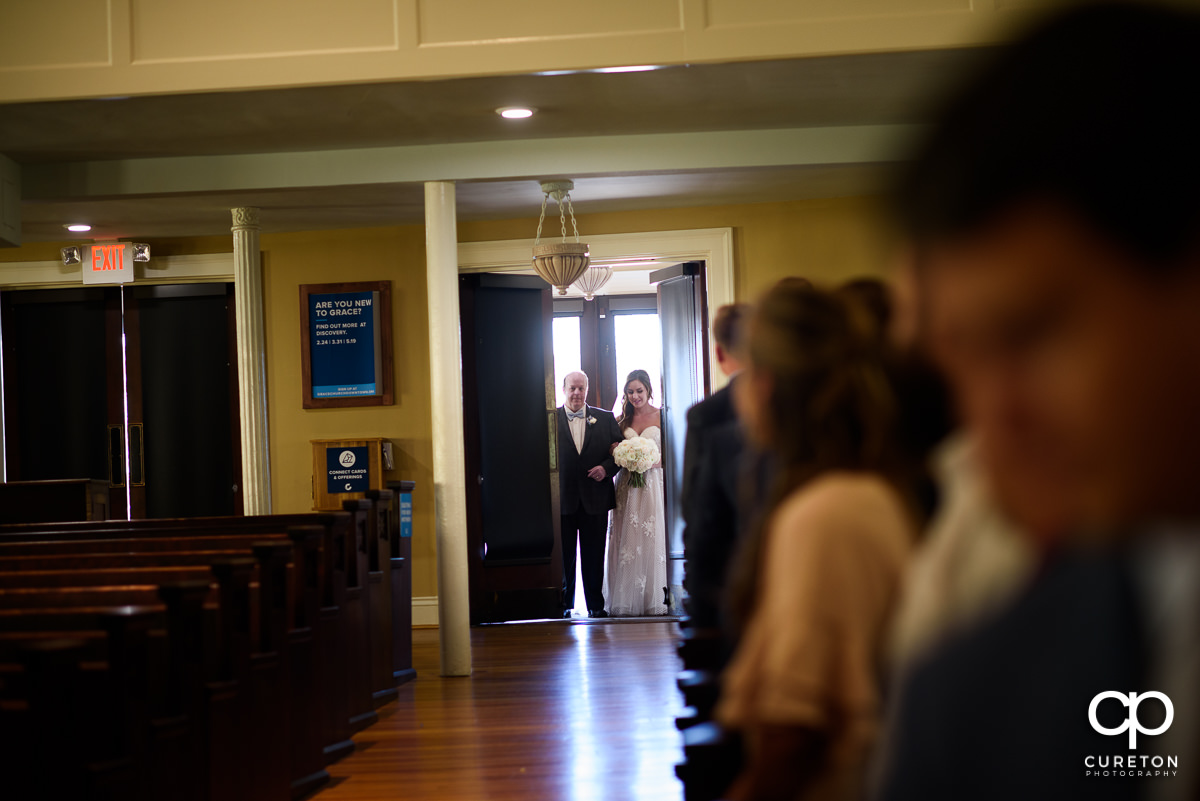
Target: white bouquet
[{"x": 637, "y": 455}]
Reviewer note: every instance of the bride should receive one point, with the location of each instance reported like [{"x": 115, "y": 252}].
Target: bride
[{"x": 636, "y": 575}]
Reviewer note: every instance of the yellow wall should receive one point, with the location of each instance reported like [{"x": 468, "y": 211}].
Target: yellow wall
[
  {"x": 396, "y": 254},
  {"x": 825, "y": 240}
]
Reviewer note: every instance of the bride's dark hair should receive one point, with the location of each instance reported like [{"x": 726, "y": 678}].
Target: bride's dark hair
[{"x": 626, "y": 406}]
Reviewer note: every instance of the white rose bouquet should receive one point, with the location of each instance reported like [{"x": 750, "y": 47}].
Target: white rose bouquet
[{"x": 637, "y": 455}]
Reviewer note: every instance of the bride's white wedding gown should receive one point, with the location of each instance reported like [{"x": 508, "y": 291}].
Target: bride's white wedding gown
[{"x": 635, "y": 577}]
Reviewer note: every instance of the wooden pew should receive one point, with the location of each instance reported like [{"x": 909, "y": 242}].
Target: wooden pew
[
  {"x": 62, "y": 500},
  {"x": 369, "y": 598},
  {"x": 400, "y": 553},
  {"x": 262, "y": 670},
  {"x": 333, "y": 639},
  {"x": 388, "y": 583},
  {"x": 132, "y": 731},
  {"x": 711, "y": 756},
  {"x": 383, "y": 684},
  {"x": 208, "y": 691},
  {"x": 45, "y": 684}
]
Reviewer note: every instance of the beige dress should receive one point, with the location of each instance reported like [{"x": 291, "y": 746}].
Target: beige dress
[{"x": 811, "y": 654}]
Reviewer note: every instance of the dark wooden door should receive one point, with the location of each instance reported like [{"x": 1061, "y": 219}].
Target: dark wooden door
[
  {"x": 58, "y": 389},
  {"x": 683, "y": 315},
  {"x": 184, "y": 440},
  {"x": 134, "y": 385},
  {"x": 514, "y": 557}
]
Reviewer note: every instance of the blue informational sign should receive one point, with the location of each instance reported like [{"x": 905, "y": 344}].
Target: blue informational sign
[
  {"x": 343, "y": 329},
  {"x": 347, "y": 469},
  {"x": 406, "y": 514}
]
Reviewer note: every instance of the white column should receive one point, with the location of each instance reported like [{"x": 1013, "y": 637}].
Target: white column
[
  {"x": 252, "y": 369},
  {"x": 449, "y": 467}
]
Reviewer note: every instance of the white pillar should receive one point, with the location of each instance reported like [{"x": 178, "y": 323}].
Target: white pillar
[
  {"x": 252, "y": 370},
  {"x": 449, "y": 466}
]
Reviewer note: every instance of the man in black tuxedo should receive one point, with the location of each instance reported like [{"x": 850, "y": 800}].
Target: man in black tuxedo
[
  {"x": 711, "y": 475},
  {"x": 1061, "y": 305},
  {"x": 586, "y": 495}
]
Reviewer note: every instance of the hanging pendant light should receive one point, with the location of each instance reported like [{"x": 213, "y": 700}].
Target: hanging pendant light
[
  {"x": 560, "y": 264},
  {"x": 593, "y": 280}
]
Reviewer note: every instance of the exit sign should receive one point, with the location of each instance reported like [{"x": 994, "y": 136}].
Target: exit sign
[{"x": 108, "y": 263}]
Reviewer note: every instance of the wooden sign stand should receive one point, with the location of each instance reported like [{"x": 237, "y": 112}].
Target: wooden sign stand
[{"x": 323, "y": 499}]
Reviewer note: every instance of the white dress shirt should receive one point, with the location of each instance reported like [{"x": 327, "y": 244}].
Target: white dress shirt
[{"x": 578, "y": 429}]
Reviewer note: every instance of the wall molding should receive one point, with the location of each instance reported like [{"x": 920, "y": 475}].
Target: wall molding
[
  {"x": 425, "y": 611},
  {"x": 712, "y": 245}
]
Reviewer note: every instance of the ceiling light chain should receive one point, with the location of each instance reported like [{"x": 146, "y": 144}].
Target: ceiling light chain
[
  {"x": 542, "y": 219},
  {"x": 575, "y": 225}
]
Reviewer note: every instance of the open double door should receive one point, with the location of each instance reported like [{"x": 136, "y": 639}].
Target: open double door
[
  {"x": 514, "y": 550},
  {"x": 136, "y": 385}
]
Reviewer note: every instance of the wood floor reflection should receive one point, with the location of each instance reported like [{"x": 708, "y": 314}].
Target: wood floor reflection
[{"x": 553, "y": 711}]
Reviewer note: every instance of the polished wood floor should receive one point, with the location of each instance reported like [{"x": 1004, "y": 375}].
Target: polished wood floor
[{"x": 571, "y": 712}]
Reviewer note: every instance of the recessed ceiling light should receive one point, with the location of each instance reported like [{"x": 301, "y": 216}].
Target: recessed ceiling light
[
  {"x": 516, "y": 112},
  {"x": 636, "y": 68},
  {"x": 78, "y": 228}
]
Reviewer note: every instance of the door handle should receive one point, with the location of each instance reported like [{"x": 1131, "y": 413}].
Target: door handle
[{"x": 116, "y": 456}]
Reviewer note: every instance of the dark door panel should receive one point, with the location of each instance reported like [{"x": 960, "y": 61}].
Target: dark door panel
[
  {"x": 130, "y": 384},
  {"x": 186, "y": 379},
  {"x": 512, "y": 483},
  {"x": 55, "y": 384}
]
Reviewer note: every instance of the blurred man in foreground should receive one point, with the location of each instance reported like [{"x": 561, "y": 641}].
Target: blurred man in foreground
[
  {"x": 1055, "y": 214},
  {"x": 711, "y": 472}
]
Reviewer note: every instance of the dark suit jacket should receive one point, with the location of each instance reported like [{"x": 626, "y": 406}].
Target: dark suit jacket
[
  {"x": 576, "y": 490},
  {"x": 1002, "y": 712},
  {"x": 702, "y": 418},
  {"x": 712, "y": 460}
]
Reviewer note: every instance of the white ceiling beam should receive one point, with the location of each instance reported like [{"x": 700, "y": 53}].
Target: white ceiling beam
[{"x": 506, "y": 160}]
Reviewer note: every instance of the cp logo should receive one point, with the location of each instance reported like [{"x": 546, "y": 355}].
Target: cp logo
[
  {"x": 1131, "y": 723},
  {"x": 346, "y": 458}
]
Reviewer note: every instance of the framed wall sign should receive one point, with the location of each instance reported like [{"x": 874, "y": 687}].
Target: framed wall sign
[{"x": 346, "y": 344}]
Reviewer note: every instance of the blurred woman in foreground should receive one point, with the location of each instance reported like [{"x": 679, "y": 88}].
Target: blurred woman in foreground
[{"x": 818, "y": 582}]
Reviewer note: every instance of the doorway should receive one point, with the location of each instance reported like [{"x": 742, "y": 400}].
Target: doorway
[
  {"x": 633, "y": 257},
  {"x": 606, "y": 338},
  {"x": 513, "y": 545},
  {"x": 136, "y": 385}
]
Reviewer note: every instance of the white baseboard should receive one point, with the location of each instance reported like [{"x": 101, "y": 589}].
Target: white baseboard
[{"x": 425, "y": 610}]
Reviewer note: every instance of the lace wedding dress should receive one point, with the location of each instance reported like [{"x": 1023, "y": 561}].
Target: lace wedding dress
[{"x": 635, "y": 577}]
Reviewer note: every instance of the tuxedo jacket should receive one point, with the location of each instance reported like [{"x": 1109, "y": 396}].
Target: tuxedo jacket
[{"x": 576, "y": 491}]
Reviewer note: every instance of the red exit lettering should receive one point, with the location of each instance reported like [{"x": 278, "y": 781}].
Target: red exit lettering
[{"x": 108, "y": 257}]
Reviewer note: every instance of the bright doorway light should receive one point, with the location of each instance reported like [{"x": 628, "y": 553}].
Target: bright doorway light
[
  {"x": 638, "y": 339},
  {"x": 567, "y": 350}
]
